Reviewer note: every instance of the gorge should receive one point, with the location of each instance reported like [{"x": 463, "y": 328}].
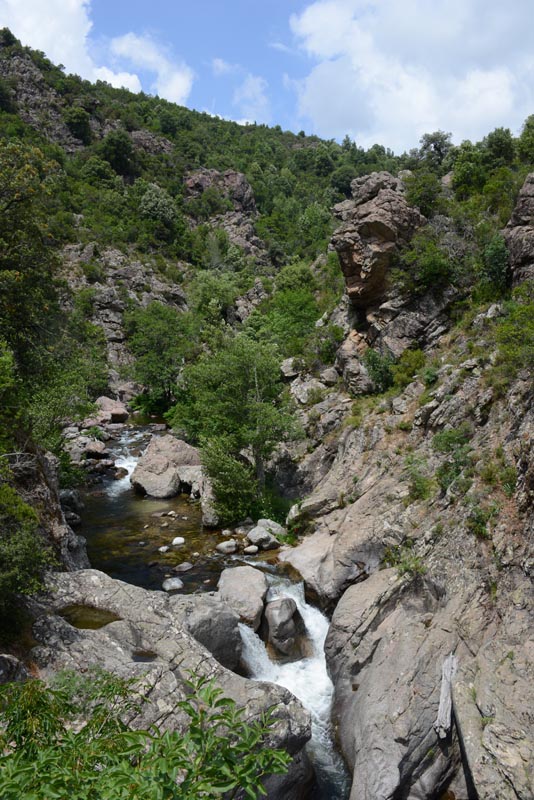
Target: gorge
[{"x": 346, "y": 396}]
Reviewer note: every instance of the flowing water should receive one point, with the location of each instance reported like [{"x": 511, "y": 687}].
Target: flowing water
[
  {"x": 308, "y": 680},
  {"x": 124, "y": 533}
]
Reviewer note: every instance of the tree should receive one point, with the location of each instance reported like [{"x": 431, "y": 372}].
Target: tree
[
  {"x": 525, "y": 143},
  {"x": 117, "y": 150},
  {"x": 70, "y": 740},
  {"x": 435, "y": 147},
  {"x": 77, "y": 120},
  {"x": 27, "y": 288},
  {"x": 161, "y": 339},
  {"x": 234, "y": 395}
]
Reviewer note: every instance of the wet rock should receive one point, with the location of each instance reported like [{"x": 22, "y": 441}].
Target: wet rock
[
  {"x": 244, "y": 589},
  {"x": 178, "y": 540},
  {"x": 71, "y": 499},
  {"x": 185, "y": 566},
  {"x": 215, "y": 625},
  {"x": 172, "y": 585},
  {"x": 251, "y": 550},
  {"x": 284, "y": 627},
  {"x": 164, "y": 549},
  {"x": 167, "y": 465},
  {"x": 227, "y": 548}
]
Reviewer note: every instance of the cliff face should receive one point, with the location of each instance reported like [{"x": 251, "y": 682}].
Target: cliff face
[{"x": 436, "y": 482}]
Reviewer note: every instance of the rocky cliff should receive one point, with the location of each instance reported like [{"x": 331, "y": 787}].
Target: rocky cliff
[{"x": 435, "y": 482}]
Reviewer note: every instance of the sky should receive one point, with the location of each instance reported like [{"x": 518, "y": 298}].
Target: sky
[{"x": 379, "y": 71}]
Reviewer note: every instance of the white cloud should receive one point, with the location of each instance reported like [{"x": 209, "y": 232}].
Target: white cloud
[
  {"x": 221, "y": 67},
  {"x": 252, "y": 101},
  {"x": 61, "y": 29},
  {"x": 390, "y": 70},
  {"x": 173, "y": 80}
]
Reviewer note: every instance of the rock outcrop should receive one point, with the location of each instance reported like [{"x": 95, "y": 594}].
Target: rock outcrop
[
  {"x": 230, "y": 184},
  {"x": 519, "y": 234},
  {"x": 375, "y": 223}
]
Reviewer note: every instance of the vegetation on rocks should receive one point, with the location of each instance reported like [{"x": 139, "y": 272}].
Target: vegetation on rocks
[{"x": 71, "y": 740}]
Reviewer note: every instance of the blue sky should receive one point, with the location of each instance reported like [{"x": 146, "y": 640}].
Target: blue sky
[{"x": 382, "y": 71}]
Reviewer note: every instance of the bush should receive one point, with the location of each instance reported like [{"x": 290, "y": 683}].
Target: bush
[
  {"x": 70, "y": 740},
  {"x": 23, "y": 553},
  {"x": 379, "y": 369},
  {"x": 77, "y": 120},
  {"x": 404, "y": 371}
]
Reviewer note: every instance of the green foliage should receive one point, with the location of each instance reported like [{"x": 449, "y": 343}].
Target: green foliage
[
  {"x": 99, "y": 758},
  {"x": 116, "y": 148},
  {"x": 495, "y": 264},
  {"x": 27, "y": 291},
  {"x": 406, "y": 368},
  {"x": 161, "y": 339},
  {"x": 424, "y": 190},
  {"x": 424, "y": 265},
  {"x": 379, "y": 368},
  {"x": 478, "y": 519},
  {"x": 515, "y": 333},
  {"x": 158, "y": 205},
  {"x": 405, "y": 560},
  {"x": 454, "y": 443},
  {"x": 78, "y": 122},
  {"x": 234, "y": 394},
  {"x": 525, "y": 144},
  {"x": 23, "y": 553},
  {"x": 420, "y": 485}
]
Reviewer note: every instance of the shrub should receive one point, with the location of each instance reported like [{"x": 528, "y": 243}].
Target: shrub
[
  {"x": 77, "y": 120},
  {"x": 23, "y": 553},
  {"x": 45, "y": 755},
  {"x": 404, "y": 371},
  {"x": 379, "y": 368}
]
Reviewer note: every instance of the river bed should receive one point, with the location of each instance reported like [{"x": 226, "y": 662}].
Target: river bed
[{"x": 124, "y": 533}]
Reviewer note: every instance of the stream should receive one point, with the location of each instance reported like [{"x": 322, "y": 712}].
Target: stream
[{"x": 124, "y": 533}]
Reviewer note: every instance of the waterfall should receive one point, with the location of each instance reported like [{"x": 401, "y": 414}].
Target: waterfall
[
  {"x": 122, "y": 455},
  {"x": 309, "y": 681}
]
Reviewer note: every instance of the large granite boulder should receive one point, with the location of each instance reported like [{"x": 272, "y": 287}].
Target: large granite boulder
[
  {"x": 519, "y": 234},
  {"x": 244, "y": 589},
  {"x": 284, "y": 628},
  {"x": 168, "y": 466},
  {"x": 107, "y": 411},
  {"x": 375, "y": 224}
]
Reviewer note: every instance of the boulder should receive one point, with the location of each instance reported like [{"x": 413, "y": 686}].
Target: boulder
[
  {"x": 306, "y": 389},
  {"x": 12, "y": 670},
  {"x": 349, "y": 361},
  {"x": 172, "y": 585},
  {"x": 167, "y": 466},
  {"x": 108, "y": 411},
  {"x": 215, "y": 625},
  {"x": 284, "y": 627},
  {"x": 244, "y": 589},
  {"x": 263, "y": 535},
  {"x": 227, "y": 548}
]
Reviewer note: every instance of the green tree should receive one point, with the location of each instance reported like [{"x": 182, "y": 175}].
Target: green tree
[
  {"x": 525, "y": 143},
  {"x": 77, "y": 120},
  {"x": 434, "y": 148},
  {"x": 28, "y": 299},
  {"x": 234, "y": 395},
  {"x": 161, "y": 339},
  {"x": 117, "y": 149}
]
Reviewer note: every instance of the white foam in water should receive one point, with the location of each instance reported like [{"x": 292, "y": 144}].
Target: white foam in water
[
  {"x": 124, "y": 460},
  {"x": 309, "y": 681}
]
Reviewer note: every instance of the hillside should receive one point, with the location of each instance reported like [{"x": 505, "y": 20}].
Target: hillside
[{"x": 343, "y": 339}]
